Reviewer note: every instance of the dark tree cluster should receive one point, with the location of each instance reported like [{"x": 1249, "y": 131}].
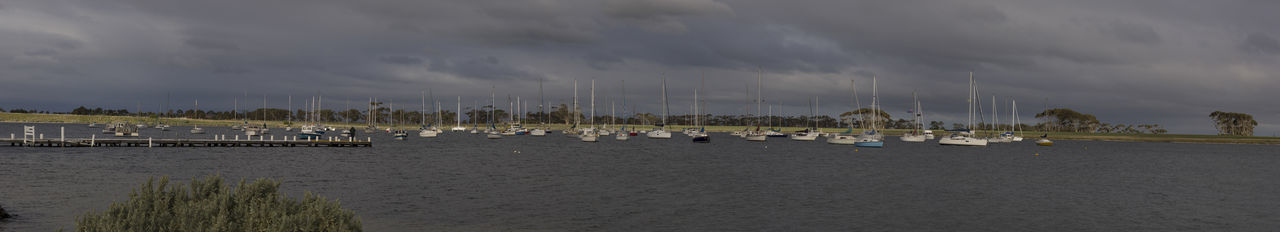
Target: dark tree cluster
[{"x": 1232, "y": 123}]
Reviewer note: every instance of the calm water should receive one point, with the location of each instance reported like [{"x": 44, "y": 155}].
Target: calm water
[{"x": 554, "y": 183}]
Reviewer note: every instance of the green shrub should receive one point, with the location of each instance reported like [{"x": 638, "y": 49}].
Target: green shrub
[{"x": 211, "y": 205}]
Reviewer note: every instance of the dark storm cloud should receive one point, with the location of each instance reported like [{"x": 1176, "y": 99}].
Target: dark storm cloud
[
  {"x": 1127, "y": 62},
  {"x": 487, "y": 68},
  {"x": 1260, "y": 43}
]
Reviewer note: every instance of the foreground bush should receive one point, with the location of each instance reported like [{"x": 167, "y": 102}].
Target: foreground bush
[{"x": 211, "y": 205}]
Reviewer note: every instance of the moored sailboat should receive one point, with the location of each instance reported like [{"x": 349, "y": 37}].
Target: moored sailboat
[
  {"x": 917, "y": 123},
  {"x": 872, "y": 137},
  {"x": 660, "y": 130},
  {"x": 964, "y": 136}
]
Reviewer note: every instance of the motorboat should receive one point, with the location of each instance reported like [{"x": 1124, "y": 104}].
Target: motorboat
[{"x": 400, "y": 134}]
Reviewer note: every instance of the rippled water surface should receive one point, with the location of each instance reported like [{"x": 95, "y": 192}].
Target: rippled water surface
[{"x": 554, "y": 183}]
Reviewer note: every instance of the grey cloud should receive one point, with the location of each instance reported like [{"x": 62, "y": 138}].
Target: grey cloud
[
  {"x": 40, "y": 52},
  {"x": 487, "y": 68},
  {"x": 403, "y": 60},
  {"x": 638, "y": 9},
  {"x": 1261, "y": 44},
  {"x": 1133, "y": 32},
  {"x": 203, "y": 43}
]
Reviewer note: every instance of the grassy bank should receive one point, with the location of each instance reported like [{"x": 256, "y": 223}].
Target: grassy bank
[
  {"x": 1175, "y": 138},
  {"x": 212, "y": 204}
]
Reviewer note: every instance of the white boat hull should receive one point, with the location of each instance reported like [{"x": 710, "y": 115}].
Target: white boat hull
[
  {"x": 757, "y": 138},
  {"x": 658, "y": 134},
  {"x": 493, "y": 136},
  {"x": 913, "y": 138},
  {"x": 962, "y": 141},
  {"x": 1044, "y": 142},
  {"x": 622, "y": 136},
  {"x": 590, "y": 138},
  {"x": 428, "y": 133},
  {"x": 804, "y": 136},
  {"x": 842, "y": 140},
  {"x": 538, "y": 132}
]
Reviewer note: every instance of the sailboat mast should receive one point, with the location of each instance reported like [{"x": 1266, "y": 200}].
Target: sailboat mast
[
  {"x": 246, "y": 105},
  {"x": 424, "y": 108},
  {"x": 435, "y": 104},
  {"x": 458, "y": 119},
  {"x": 758, "y": 94},
  {"x": 624, "y": 101},
  {"x": 664, "y": 101},
  {"x": 970, "y": 101},
  {"x": 542, "y": 111},
  {"x": 493, "y": 104},
  {"x": 511, "y": 108},
  {"x": 574, "y": 111},
  {"x": 854, "y": 86},
  {"x": 875, "y": 102},
  {"x": 593, "y": 103}
]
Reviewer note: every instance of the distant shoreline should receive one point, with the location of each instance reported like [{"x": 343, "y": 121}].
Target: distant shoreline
[{"x": 1030, "y": 135}]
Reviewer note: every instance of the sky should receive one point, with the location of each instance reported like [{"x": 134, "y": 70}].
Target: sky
[{"x": 1128, "y": 62}]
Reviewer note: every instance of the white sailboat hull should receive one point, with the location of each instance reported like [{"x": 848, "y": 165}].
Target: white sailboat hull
[
  {"x": 913, "y": 138},
  {"x": 842, "y": 140},
  {"x": 658, "y": 134},
  {"x": 622, "y": 136},
  {"x": 428, "y": 133},
  {"x": 962, "y": 141},
  {"x": 804, "y": 136},
  {"x": 538, "y": 132},
  {"x": 757, "y": 137}
]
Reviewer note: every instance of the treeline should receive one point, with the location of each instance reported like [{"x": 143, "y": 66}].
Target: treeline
[
  {"x": 1057, "y": 120},
  {"x": 1068, "y": 120}
]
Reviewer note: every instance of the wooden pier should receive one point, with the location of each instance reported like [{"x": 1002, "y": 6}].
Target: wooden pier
[{"x": 116, "y": 142}]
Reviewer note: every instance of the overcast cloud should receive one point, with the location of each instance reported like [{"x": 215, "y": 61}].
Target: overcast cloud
[{"x": 1165, "y": 62}]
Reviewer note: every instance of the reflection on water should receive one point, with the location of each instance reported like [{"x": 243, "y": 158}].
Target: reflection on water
[{"x": 466, "y": 182}]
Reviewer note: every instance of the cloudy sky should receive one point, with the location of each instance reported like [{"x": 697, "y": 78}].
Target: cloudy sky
[{"x": 1165, "y": 62}]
